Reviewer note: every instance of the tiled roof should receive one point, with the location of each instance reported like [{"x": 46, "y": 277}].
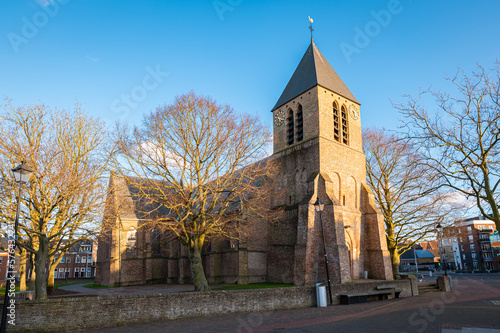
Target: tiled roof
[{"x": 313, "y": 70}]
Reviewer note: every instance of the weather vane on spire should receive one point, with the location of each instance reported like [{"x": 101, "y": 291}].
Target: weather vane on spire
[{"x": 311, "y": 27}]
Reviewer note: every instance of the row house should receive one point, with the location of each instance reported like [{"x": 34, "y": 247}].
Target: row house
[{"x": 78, "y": 262}]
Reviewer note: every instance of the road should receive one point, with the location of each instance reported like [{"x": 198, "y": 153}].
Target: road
[{"x": 473, "y": 306}]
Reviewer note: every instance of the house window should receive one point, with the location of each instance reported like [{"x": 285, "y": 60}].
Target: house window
[
  {"x": 63, "y": 260},
  {"x": 459, "y": 231},
  {"x": 472, "y": 248},
  {"x": 474, "y": 256},
  {"x": 471, "y": 238},
  {"x": 89, "y": 259},
  {"x": 61, "y": 274},
  {"x": 68, "y": 260},
  {"x": 88, "y": 272},
  {"x": 132, "y": 243},
  {"x": 84, "y": 259},
  {"x": 290, "y": 127},
  {"x": 469, "y": 229},
  {"x": 336, "y": 122},
  {"x": 345, "y": 126},
  {"x": 77, "y": 271},
  {"x": 463, "y": 256},
  {"x": 77, "y": 259},
  {"x": 461, "y": 247},
  {"x": 1, "y": 260}
]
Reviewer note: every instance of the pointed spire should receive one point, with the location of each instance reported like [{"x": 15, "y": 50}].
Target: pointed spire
[{"x": 313, "y": 70}]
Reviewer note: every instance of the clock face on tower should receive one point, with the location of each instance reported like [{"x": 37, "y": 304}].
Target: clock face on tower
[
  {"x": 279, "y": 117},
  {"x": 354, "y": 112}
]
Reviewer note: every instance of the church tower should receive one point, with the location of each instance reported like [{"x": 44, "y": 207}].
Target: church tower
[{"x": 318, "y": 144}]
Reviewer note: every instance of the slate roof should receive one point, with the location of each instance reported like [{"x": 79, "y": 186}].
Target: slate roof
[
  {"x": 313, "y": 70},
  {"x": 132, "y": 204}
]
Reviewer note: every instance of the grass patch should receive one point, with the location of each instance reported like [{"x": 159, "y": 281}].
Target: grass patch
[
  {"x": 262, "y": 285},
  {"x": 2, "y": 290},
  {"x": 57, "y": 285}
]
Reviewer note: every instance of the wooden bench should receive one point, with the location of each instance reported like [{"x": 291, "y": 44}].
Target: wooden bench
[
  {"x": 24, "y": 295},
  {"x": 381, "y": 292}
]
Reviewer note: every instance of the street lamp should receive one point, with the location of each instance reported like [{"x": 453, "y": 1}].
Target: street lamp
[
  {"x": 319, "y": 206},
  {"x": 22, "y": 174},
  {"x": 439, "y": 229}
]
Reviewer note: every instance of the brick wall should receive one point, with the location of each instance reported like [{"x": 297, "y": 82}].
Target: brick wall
[{"x": 99, "y": 312}]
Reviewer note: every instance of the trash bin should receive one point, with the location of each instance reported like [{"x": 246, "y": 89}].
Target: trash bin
[{"x": 321, "y": 295}]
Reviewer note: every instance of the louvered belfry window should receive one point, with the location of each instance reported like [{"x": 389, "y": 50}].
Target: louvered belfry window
[
  {"x": 299, "y": 126},
  {"x": 290, "y": 127},
  {"x": 336, "y": 122},
  {"x": 345, "y": 126}
]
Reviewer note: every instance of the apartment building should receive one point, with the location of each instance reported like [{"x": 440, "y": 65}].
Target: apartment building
[{"x": 467, "y": 246}]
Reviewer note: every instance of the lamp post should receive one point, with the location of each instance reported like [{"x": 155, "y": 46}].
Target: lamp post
[
  {"x": 439, "y": 229},
  {"x": 22, "y": 174},
  {"x": 319, "y": 206}
]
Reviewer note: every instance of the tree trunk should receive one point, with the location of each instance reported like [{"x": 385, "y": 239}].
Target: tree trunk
[
  {"x": 395, "y": 264},
  {"x": 31, "y": 281},
  {"x": 50, "y": 281},
  {"x": 392, "y": 247},
  {"x": 199, "y": 279},
  {"x": 22, "y": 269},
  {"x": 41, "y": 258}
]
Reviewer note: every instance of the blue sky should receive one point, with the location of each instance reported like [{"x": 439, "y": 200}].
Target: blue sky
[{"x": 240, "y": 52}]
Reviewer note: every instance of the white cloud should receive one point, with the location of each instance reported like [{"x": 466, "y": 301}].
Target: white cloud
[
  {"x": 92, "y": 58},
  {"x": 458, "y": 199},
  {"x": 172, "y": 160}
]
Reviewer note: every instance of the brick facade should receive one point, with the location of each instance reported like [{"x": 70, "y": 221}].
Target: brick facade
[
  {"x": 78, "y": 261},
  {"x": 319, "y": 149},
  {"x": 467, "y": 245}
]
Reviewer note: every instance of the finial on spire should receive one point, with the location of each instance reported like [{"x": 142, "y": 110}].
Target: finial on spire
[{"x": 311, "y": 27}]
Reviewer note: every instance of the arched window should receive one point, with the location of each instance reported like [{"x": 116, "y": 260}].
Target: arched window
[
  {"x": 132, "y": 243},
  {"x": 299, "y": 126},
  {"x": 155, "y": 241},
  {"x": 336, "y": 122},
  {"x": 345, "y": 126},
  {"x": 290, "y": 129}
]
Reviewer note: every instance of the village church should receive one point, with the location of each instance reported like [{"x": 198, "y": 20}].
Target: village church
[{"x": 317, "y": 142}]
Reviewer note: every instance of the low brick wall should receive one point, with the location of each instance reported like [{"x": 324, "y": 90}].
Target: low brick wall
[{"x": 80, "y": 313}]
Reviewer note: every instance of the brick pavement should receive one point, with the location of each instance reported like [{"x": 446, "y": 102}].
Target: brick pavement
[{"x": 468, "y": 305}]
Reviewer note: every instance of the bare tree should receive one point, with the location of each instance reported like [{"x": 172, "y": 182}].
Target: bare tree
[
  {"x": 64, "y": 197},
  {"x": 406, "y": 191},
  {"x": 199, "y": 168},
  {"x": 462, "y": 137}
]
